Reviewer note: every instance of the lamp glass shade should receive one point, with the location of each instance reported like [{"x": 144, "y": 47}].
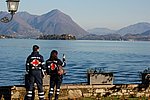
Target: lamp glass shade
[{"x": 12, "y": 5}]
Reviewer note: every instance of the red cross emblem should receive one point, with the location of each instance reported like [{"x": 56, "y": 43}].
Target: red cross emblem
[
  {"x": 35, "y": 62},
  {"x": 53, "y": 66}
]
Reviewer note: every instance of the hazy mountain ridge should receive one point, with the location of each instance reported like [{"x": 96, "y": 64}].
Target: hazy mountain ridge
[
  {"x": 139, "y": 32},
  {"x": 137, "y": 28},
  {"x": 101, "y": 31}
]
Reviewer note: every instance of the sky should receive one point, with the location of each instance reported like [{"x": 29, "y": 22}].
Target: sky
[{"x": 112, "y": 14}]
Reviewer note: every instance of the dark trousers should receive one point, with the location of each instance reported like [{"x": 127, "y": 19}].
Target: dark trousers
[
  {"x": 35, "y": 76},
  {"x": 55, "y": 81}
]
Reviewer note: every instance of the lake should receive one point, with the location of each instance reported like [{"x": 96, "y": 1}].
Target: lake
[{"x": 124, "y": 58}]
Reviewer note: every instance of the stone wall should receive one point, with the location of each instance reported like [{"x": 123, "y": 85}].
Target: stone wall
[
  {"x": 72, "y": 91},
  {"x": 77, "y": 91}
]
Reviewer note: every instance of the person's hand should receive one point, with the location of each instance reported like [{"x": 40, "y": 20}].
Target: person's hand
[
  {"x": 64, "y": 58},
  {"x": 44, "y": 73}
]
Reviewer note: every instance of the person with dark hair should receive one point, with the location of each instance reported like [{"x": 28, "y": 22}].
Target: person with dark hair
[
  {"x": 54, "y": 69},
  {"x": 35, "y": 67}
]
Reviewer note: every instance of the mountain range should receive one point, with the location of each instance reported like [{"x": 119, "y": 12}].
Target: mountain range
[
  {"x": 137, "y": 28},
  {"x": 25, "y": 25}
]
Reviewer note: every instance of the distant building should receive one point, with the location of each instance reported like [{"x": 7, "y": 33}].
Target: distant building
[{"x": 2, "y": 37}]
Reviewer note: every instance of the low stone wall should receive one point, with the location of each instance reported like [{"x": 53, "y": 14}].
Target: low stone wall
[{"x": 72, "y": 91}]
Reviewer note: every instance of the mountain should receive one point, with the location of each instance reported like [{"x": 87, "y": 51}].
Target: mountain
[
  {"x": 56, "y": 22},
  {"x": 135, "y": 29},
  {"x": 31, "y": 26},
  {"x": 101, "y": 31}
]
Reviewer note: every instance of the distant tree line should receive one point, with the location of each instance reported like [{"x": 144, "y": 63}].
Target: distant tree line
[
  {"x": 112, "y": 37},
  {"x": 117, "y": 37},
  {"x": 57, "y": 37}
]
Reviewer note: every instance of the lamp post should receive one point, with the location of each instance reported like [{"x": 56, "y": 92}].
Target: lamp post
[{"x": 12, "y": 6}]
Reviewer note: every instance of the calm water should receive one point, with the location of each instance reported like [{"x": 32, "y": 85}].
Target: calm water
[{"x": 124, "y": 59}]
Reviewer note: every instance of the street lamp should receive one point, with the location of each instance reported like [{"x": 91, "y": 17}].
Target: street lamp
[{"x": 12, "y": 6}]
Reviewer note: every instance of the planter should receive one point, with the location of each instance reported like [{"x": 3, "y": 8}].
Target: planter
[{"x": 100, "y": 78}]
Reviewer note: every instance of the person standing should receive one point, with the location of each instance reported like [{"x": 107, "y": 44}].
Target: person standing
[
  {"x": 55, "y": 70},
  {"x": 35, "y": 68}
]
